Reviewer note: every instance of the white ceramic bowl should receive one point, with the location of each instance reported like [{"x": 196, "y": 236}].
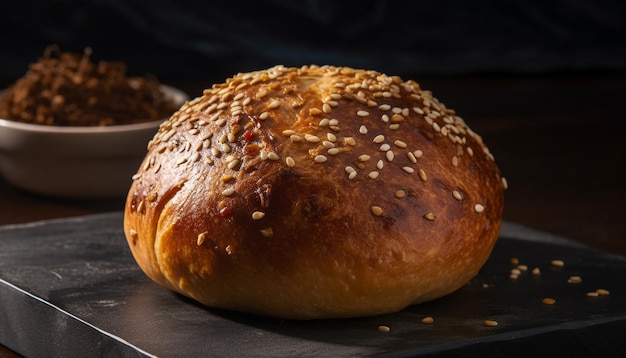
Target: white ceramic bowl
[{"x": 76, "y": 162}]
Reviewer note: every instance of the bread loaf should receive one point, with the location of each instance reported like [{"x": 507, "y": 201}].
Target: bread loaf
[{"x": 314, "y": 192}]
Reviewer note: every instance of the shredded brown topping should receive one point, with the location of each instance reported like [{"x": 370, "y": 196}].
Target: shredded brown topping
[{"x": 68, "y": 89}]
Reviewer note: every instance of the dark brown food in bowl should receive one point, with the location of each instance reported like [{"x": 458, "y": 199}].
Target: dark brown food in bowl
[{"x": 68, "y": 89}]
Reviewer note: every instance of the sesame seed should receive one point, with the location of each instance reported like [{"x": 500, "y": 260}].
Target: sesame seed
[
  {"x": 210, "y": 109},
  {"x": 331, "y": 137},
  {"x": 228, "y": 192},
  {"x": 384, "y": 107},
  {"x": 272, "y": 156},
  {"x": 315, "y": 111},
  {"x": 428, "y": 320},
  {"x": 592, "y": 294},
  {"x": 574, "y": 279},
  {"x": 233, "y": 164},
  {"x": 290, "y": 162},
  {"x": 457, "y": 195},
  {"x": 479, "y": 208},
  {"x": 364, "y": 157},
  {"x": 263, "y": 154},
  {"x": 328, "y": 144},
  {"x": 380, "y": 164},
  {"x": 324, "y": 122},
  {"x": 326, "y": 108},
  {"x": 384, "y": 147},
  {"x": 201, "y": 238},
  {"x": 490, "y": 323},
  {"x": 408, "y": 170},
  {"x": 429, "y": 216},
  {"x": 334, "y": 151},
  {"x": 522, "y": 267},
  {"x": 602, "y": 292},
  {"x": 377, "y": 210},
  {"x": 363, "y": 129},
  {"x": 274, "y": 104},
  {"x": 379, "y": 139},
  {"x": 400, "y": 193},
  {"x": 311, "y": 138},
  {"x": 411, "y": 157},
  {"x": 397, "y": 118},
  {"x": 422, "y": 175},
  {"x": 390, "y": 155},
  {"x": 418, "y": 153},
  {"x": 258, "y": 215},
  {"x": 320, "y": 158},
  {"x": 264, "y": 115},
  {"x": 373, "y": 174},
  {"x": 536, "y": 271},
  {"x": 295, "y": 138},
  {"x": 557, "y": 263},
  {"x": 384, "y": 329},
  {"x": 349, "y": 141},
  {"x": 548, "y": 301},
  {"x": 399, "y": 144},
  {"x": 262, "y": 92},
  {"x": 289, "y": 132},
  {"x": 267, "y": 232},
  {"x": 455, "y": 161},
  {"x": 349, "y": 169}
]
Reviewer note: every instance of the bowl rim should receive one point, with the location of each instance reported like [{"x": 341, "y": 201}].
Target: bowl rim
[
  {"x": 43, "y": 128},
  {"x": 170, "y": 91}
]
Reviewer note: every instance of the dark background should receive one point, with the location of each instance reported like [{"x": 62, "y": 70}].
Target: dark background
[{"x": 215, "y": 39}]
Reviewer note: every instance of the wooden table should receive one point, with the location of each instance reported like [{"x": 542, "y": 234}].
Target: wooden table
[{"x": 558, "y": 140}]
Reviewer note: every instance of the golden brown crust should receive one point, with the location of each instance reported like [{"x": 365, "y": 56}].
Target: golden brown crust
[{"x": 314, "y": 192}]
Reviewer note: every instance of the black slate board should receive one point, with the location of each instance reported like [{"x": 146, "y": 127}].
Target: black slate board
[{"x": 70, "y": 287}]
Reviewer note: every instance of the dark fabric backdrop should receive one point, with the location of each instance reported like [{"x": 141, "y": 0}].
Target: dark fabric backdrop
[{"x": 186, "y": 39}]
